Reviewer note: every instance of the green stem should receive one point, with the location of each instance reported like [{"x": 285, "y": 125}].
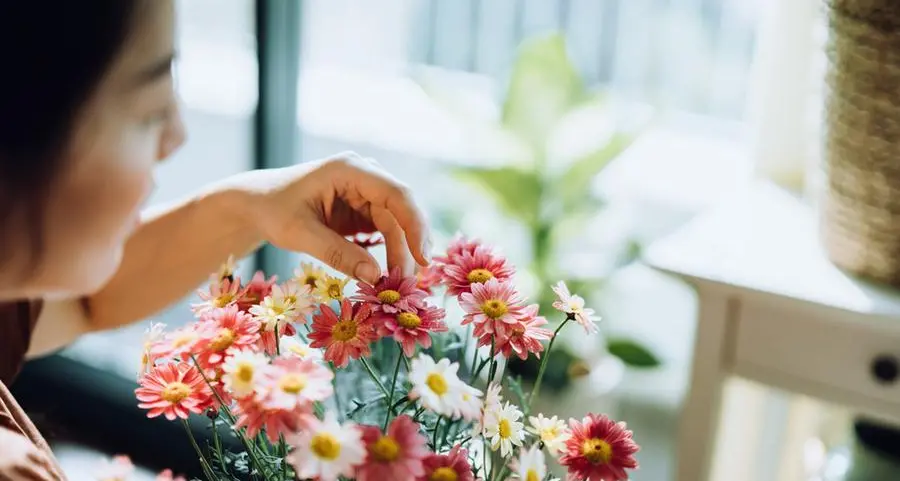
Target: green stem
[
  {"x": 540, "y": 376},
  {"x": 390, "y": 398},
  {"x": 374, "y": 377},
  {"x": 207, "y": 470},
  {"x": 434, "y": 436},
  {"x": 277, "y": 341},
  {"x": 493, "y": 370},
  {"x": 282, "y": 445},
  {"x": 217, "y": 442}
]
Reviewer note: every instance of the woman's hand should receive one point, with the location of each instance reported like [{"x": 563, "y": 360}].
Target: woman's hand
[
  {"x": 311, "y": 207},
  {"x": 21, "y": 460}
]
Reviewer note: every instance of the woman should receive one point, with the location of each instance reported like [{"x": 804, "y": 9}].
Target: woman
[{"x": 87, "y": 108}]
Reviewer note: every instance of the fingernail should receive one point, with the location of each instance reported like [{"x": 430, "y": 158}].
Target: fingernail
[{"x": 367, "y": 272}]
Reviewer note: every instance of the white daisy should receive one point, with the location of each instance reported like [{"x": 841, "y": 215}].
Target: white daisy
[
  {"x": 573, "y": 305},
  {"x": 227, "y": 268},
  {"x": 470, "y": 406},
  {"x": 152, "y": 335},
  {"x": 493, "y": 399},
  {"x": 503, "y": 429},
  {"x": 437, "y": 385},
  {"x": 242, "y": 371},
  {"x": 330, "y": 288},
  {"x": 530, "y": 466},
  {"x": 553, "y": 432},
  {"x": 309, "y": 274},
  {"x": 326, "y": 450},
  {"x": 288, "y": 302},
  {"x": 291, "y": 346}
]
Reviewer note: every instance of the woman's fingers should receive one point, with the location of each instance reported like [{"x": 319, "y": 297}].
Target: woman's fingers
[
  {"x": 398, "y": 252},
  {"x": 31, "y": 473},
  {"x": 340, "y": 254},
  {"x": 380, "y": 189}
]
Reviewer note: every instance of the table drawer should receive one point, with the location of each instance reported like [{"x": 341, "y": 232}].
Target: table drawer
[{"x": 832, "y": 350}]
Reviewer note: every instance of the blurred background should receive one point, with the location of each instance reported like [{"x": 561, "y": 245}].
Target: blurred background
[{"x": 573, "y": 133}]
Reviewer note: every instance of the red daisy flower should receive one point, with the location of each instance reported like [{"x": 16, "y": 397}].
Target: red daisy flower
[
  {"x": 475, "y": 268},
  {"x": 256, "y": 290},
  {"x": 411, "y": 327},
  {"x": 458, "y": 246},
  {"x": 396, "y": 455},
  {"x": 453, "y": 466},
  {"x": 599, "y": 449},
  {"x": 344, "y": 337},
  {"x": 392, "y": 294},
  {"x": 429, "y": 277},
  {"x": 254, "y": 416}
]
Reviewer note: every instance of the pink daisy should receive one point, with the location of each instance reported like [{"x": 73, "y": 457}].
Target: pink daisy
[
  {"x": 256, "y": 290},
  {"x": 291, "y": 382},
  {"x": 474, "y": 268},
  {"x": 453, "y": 466},
  {"x": 430, "y": 277},
  {"x": 174, "y": 390},
  {"x": 119, "y": 468},
  {"x": 218, "y": 387},
  {"x": 411, "y": 327},
  {"x": 179, "y": 344},
  {"x": 221, "y": 292},
  {"x": 252, "y": 415},
  {"x": 496, "y": 305},
  {"x": 224, "y": 331},
  {"x": 458, "y": 246},
  {"x": 599, "y": 449},
  {"x": 344, "y": 337},
  {"x": 392, "y": 294},
  {"x": 397, "y": 455},
  {"x": 524, "y": 337}
]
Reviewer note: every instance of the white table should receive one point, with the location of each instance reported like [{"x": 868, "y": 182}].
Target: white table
[{"x": 773, "y": 310}]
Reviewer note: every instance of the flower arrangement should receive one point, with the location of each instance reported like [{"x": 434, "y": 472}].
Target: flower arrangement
[{"x": 377, "y": 384}]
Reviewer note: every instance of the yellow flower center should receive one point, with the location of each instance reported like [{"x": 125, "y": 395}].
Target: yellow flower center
[
  {"x": 223, "y": 340},
  {"x": 175, "y": 392},
  {"x": 443, "y": 474},
  {"x": 409, "y": 320},
  {"x": 494, "y": 308},
  {"x": 596, "y": 450},
  {"x": 479, "y": 276},
  {"x": 437, "y": 383},
  {"x": 388, "y": 296},
  {"x": 183, "y": 340},
  {"x": 244, "y": 373},
  {"x": 504, "y": 429},
  {"x": 223, "y": 300},
  {"x": 324, "y": 446},
  {"x": 290, "y": 300},
  {"x": 532, "y": 475},
  {"x": 311, "y": 280},
  {"x": 292, "y": 383},
  {"x": 549, "y": 434},
  {"x": 344, "y": 330},
  {"x": 335, "y": 291},
  {"x": 300, "y": 351},
  {"x": 385, "y": 449}
]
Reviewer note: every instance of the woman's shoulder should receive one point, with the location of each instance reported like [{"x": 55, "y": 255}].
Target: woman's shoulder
[{"x": 17, "y": 321}]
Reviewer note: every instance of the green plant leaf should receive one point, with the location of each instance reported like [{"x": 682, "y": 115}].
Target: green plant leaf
[
  {"x": 516, "y": 191},
  {"x": 543, "y": 87},
  {"x": 574, "y": 185},
  {"x": 632, "y": 353}
]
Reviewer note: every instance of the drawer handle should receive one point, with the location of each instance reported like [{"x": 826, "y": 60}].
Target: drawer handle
[{"x": 886, "y": 369}]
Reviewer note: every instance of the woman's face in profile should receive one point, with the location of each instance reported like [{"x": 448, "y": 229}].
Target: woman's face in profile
[{"x": 129, "y": 124}]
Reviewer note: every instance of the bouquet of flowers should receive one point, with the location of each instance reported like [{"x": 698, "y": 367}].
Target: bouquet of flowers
[{"x": 377, "y": 384}]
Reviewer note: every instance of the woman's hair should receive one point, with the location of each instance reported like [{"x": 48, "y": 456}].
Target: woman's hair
[{"x": 53, "y": 53}]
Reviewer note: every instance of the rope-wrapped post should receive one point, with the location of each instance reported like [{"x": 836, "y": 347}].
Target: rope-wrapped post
[{"x": 861, "y": 203}]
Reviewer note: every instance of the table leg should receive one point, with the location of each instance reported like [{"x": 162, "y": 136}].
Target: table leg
[{"x": 702, "y": 410}]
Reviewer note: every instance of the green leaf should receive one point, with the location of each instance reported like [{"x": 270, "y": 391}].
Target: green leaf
[
  {"x": 543, "y": 87},
  {"x": 517, "y": 192},
  {"x": 574, "y": 185},
  {"x": 632, "y": 353}
]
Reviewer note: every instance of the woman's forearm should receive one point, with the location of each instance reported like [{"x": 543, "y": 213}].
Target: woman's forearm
[{"x": 175, "y": 248}]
